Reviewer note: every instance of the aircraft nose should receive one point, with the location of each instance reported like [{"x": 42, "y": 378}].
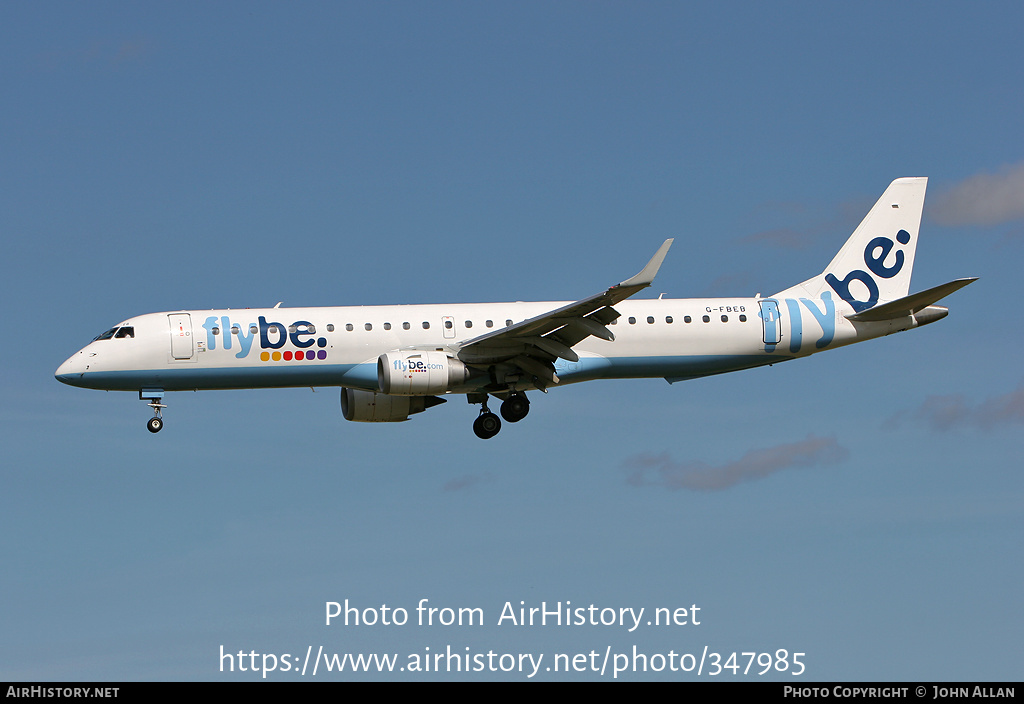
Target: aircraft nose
[{"x": 71, "y": 371}]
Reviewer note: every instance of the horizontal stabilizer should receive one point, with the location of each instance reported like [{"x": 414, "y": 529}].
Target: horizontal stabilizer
[{"x": 909, "y": 305}]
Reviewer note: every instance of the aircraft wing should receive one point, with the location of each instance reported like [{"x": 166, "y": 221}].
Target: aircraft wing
[{"x": 533, "y": 345}]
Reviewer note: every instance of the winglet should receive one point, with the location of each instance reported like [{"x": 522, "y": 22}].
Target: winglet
[{"x": 645, "y": 277}]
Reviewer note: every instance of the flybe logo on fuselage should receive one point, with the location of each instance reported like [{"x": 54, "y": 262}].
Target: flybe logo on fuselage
[
  {"x": 772, "y": 322},
  {"x": 272, "y": 336},
  {"x": 875, "y": 255}
]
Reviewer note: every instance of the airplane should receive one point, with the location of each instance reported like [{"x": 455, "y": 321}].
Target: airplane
[{"x": 395, "y": 361}]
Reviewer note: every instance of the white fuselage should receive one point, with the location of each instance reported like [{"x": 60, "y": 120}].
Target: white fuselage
[
  {"x": 339, "y": 346},
  {"x": 395, "y": 361}
]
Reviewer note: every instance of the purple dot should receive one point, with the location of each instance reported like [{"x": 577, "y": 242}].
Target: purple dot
[{"x": 322, "y": 354}]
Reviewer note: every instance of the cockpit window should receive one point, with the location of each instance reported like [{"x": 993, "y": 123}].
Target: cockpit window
[{"x": 123, "y": 331}]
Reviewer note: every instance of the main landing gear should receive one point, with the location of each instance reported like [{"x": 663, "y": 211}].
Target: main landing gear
[
  {"x": 486, "y": 425},
  {"x": 154, "y": 396},
  {"x": 513, "y": 409}
]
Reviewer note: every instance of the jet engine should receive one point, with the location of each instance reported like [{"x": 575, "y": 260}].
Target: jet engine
[
  {"x": 372, "y": 407},
  {"x": 419, "y": 373}
]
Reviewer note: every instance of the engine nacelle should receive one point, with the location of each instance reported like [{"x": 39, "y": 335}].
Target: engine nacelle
[
  {"x": 372, "y": 407},
  {"x": 419, "y": 373}
]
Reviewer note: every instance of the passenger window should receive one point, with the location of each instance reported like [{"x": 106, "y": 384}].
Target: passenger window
[
  {"x": 216, "y": 331},
  {"x": 426, "y": 325},
  {"x": 706, "y": 319},
  {"x": 253, "y": 329},
  {"x": 725, "y": 318},
  {"x": 349, "y": 327},
  {"x": 368, "y": 326},
  {"x": 448, "y": 325},
  {"x": 387, "y": 326},
  {"x": 743, "y": 318},
  {"x": 489, "y": 323},
  {"x": 330, "y": 327},
  {"x": 469, "y": 323},
  {"x": 508, "y": 323},
  {"x": 235, "y": 329},
  {"x": 668, "y": 319},
  {"x": 405, "y": 326},
  {"x": 650, "y": 319},
  {"x": 632, "y": 320},
  {"x": 687, "y": 319}
]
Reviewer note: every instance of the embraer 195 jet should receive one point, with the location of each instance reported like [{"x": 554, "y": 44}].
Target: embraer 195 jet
[{"x": 394, "y": 361}]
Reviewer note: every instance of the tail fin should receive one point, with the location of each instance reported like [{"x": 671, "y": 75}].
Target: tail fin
[{"x": 876, "y": 262}]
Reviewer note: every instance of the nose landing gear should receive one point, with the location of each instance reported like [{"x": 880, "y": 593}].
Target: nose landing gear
[{"x": 154, "y": 396}]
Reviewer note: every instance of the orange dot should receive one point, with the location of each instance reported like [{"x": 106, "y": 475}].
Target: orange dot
[
  {"x": 265, "y": 357},
  {"x": 276, "y": 356}
]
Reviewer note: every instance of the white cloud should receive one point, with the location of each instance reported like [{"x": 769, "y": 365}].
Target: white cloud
[
  {"x": 467, "y": 481},
  {"x": 946, "y": 412},
  {"x": 661, "y": 470},
  {"x": 982, "y": 199}
]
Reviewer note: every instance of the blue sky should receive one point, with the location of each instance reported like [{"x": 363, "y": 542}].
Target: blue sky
[{"x": 161, "y": 157}]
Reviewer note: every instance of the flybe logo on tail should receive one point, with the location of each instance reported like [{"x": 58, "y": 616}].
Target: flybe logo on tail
[{"x": 875, "y": 255}]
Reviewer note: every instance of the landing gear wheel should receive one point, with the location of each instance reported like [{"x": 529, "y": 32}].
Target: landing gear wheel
[
  {"x": 486, "y": 425},
  {"x": 515, "y": 408},
  {"x": 154, "y": 396}
]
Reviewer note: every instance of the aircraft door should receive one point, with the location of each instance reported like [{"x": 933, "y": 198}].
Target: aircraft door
[
  {"x": 771, "y": 322},
  {"x": 181, "y": 335},
  {"x": 448, "y": 325}
]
